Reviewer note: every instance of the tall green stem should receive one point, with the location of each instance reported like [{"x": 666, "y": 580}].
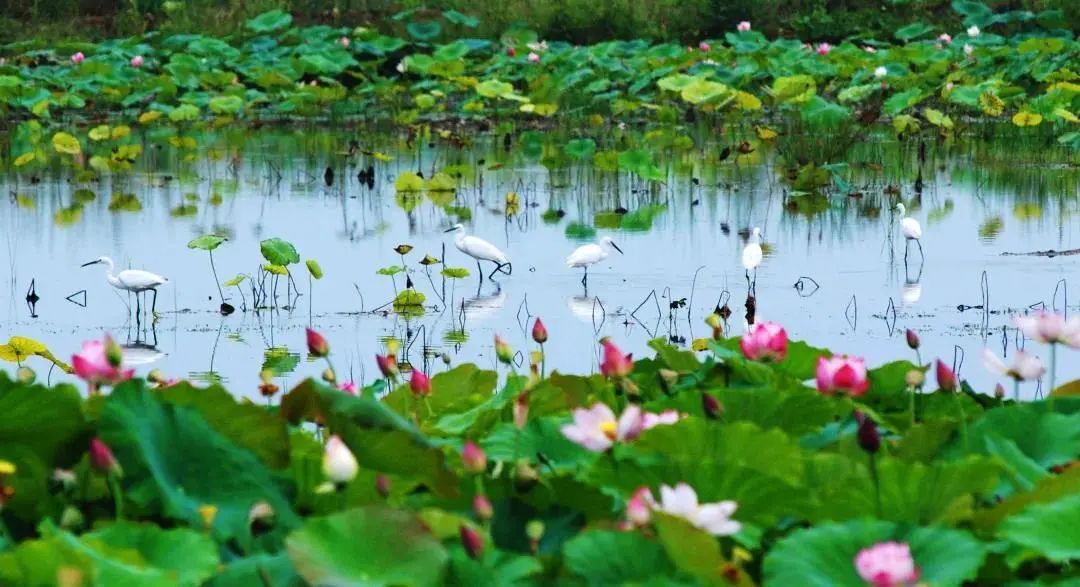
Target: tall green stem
[
  {"x": 877, "y": 485},
  {"x": 117, "y": 495},
  {"x": 963, "y": 419}
]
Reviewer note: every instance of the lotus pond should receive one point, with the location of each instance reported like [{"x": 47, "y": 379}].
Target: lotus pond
[{"x": 327, "y": 391}]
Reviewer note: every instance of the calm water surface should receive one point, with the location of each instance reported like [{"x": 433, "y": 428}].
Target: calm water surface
[{"x": 977, "y": 202}]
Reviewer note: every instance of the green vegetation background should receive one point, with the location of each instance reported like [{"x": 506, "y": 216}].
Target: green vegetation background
[{"x": 581, "y": 21}]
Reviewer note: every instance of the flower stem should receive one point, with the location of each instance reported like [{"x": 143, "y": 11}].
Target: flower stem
[
  {"x": 1016, "y": 390},
  {"x": 912, "y": 406},
  {"x": 117, "y": 495},
  {"x": 1053, "y": 368},
  {"x": 877, "y": 485},
  {"x": 963, "y": 420}
]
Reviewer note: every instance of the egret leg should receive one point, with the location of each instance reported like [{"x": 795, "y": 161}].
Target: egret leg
[
  {"x": 921, "y": 255},
  {"x": 585, "y": 278},
  {"x": 480, "y": 271},
  {"x": 153, "y": 308},
  {"x": 907, "y": 245},
  {"x": 495, "y": 270}
]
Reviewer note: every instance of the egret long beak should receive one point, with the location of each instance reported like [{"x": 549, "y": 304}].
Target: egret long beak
[
  {"x": 89, "y": 263},
  {"x": 617, "y": 248},
  {"x": 450, "y": 229}
]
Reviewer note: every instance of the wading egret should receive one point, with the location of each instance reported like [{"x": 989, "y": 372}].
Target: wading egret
[
  {"x": 911, "y": 229},
  {"x": 591, "y": 254},
  {"x": 481, "y": 250},
  {"x": 751, "y": 254},
  {"x": 133, "y": 280}
]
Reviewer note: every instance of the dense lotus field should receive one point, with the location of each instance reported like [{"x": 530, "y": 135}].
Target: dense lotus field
[{"x": 756, "y": 460}]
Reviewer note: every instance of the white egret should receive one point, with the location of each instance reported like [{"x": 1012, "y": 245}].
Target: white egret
[
  {"x": 591, "y": 254},
  {"x": 751, "y": 254},
  {"x": 481, "y": 250},
  {"x": 911, "y": 229},
  {"x": 132, "y": 280}
]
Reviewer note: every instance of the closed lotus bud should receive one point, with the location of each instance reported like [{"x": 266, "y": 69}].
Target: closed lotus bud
[
  {"x": 387, "y": 365},
  {"x": 328, "y": 375},
  {"x": 481, "y": 507},
  {"x": 71, "y": 518},
  {"x": 534, "y": 531},
  {"x": 914, "y": 378},
  {"x": 473, "y": 457},
  {"x": 316, "y": 344},
  {"x": 711, "y": 406},
  {"x": 869, "y": 438},
  {"x": 102, "y": 459},
  {"x": 382, "y": 485},
  {"x": 114, "y": 354},
  {"x": 525, "y": 476},
  {"x": 521, "y": 410},
  {"x": 999, "y": 391},
  {"x": 339, "y": 464},
  {"x": 25, "y": 374},
  {"x": 912, "y": 339},
  {"x": 946, "y": 379},
  {"x": 503, "y": 351},
  {"x": 539, "y": 333},
  {"x": 420, "y": 383},
  {"x": 156, "y": 376},
  {"x": 266, "y": 375},
  {"x": 473, "y": 542},
  {"x": 261, "y": 517}
]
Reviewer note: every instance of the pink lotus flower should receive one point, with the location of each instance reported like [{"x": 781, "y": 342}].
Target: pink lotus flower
[
  {"x": 534, "y": 57},
  {"x": 945, "y": 38},
  {"x": 824, "y": 48},
  {"x": 704, "y": 46},
  {"x": 714, "y": 518},
  {"x": 1050, "y": 328},
  {"x": 667, "y": 417},
  {"x": 349, "y": 387},
  {"x": 743, "y": 26},
  {"x": 887, "y": 564},
  {"x": 387, "y": 365},
  {"x": 1025, "y": 367},
  {"x": 639, "y": 507},
  {"x": 344, "y": 42},
  {"x": 420, "y": 383},
  {"x": 615, "y": 363},
  {"x": 597, "y": 430},
  {"x": 137, "y": 61},
  {"x": 842, "y": 374},
  {"x": 766, "y": 341},
  {"x": 94, "y": 365},
  {"x": 78, "y": 58}
]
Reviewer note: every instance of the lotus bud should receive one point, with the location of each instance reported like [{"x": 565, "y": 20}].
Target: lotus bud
[
  {"x": 869, "y": 438},
  {"x": 71, "y": 518},
  {"x": 328, "y": 375},
  {"x": 668, "y": 379},
  {"x": 473, "y": 457},
  {"x": 946, "y": 378},
  {"x": 339, "y": 464},
  {"x": 912, "y": 339},
  {"x": 503, "y": 351},
  {"x": 711, "y": 406},
  {"x": 539, "y": 333},
  {"x": 156, "y": 376},
  {"x": 482, "y": 508},
  {"x": 382, "y": 485},
  {"x": 521, "y": 410},
  {"x": 316, "y": 344},
  {"x": 114, "y": 354},
  {"x": 261, "y": 517},
  {"x": 25, "y": 375},
  {"x": 473, "y": 542},
  {"x": 387, "y": 365},
  {"x": 914, "y": 378},
  {"x": 534, "y": 530},
  {"x": 999, "y": 391},
  {"x": 420, "y": 383},
  {"x": 102, "y": 459}
]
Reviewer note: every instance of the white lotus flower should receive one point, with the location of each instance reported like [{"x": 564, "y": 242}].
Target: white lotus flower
[
  {"x": 973, "y": 31},
  {"x": 339, "y": 464},
  {"x": 714, "y": 518},
  {"x": 881, "y": 72},
  {"x": 1025, "y": 367}
]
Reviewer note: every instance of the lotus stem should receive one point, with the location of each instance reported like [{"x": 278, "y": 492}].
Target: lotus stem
[{"x": 877, "y": 485}]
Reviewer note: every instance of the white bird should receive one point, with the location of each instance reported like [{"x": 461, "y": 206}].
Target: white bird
[
  {"x": 481, "y": 250},
  {"x": 911, "y": 229},
  {"x": 751, "y": 254},
  {"x": 591, "y": 254},
  {"x": 133, "y": 280}
]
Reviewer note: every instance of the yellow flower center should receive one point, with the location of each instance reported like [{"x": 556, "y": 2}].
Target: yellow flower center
[{"x": 609, "y": 428}]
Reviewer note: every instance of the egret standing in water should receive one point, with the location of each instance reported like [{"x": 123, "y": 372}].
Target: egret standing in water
[
  {"x": 481, "y": 250},
  {"x": 751, "y": 255},
  {"x": 591, "y": 254},
  {"x": 911, "y": 229},
  {"x": 132, "y": 280}
]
